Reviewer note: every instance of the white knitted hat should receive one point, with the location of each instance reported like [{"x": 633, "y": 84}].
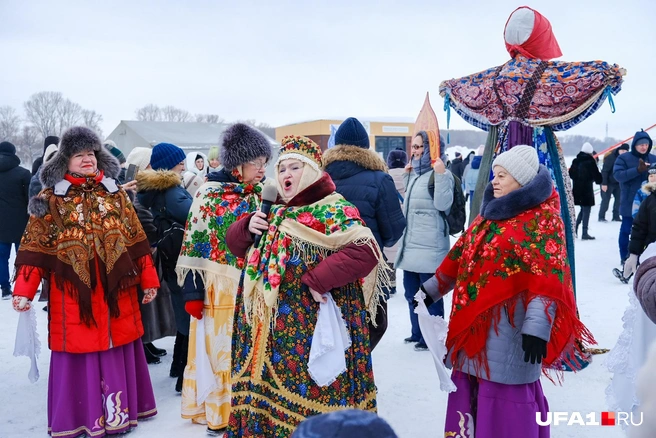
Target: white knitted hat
[
  {"x": 587, "y": 148},
  {"x": 140, "y": 157},
  {"x": 521, "y": 162}
]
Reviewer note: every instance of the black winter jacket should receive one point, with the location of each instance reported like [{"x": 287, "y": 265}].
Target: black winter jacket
[
  {"x": 643, "y": 231},
  {"x": 361, "y": 177},
  {"x": 584, "y": 173},
  {"x": 14, "y": 196},
  {"x": 607, "y": 177}
]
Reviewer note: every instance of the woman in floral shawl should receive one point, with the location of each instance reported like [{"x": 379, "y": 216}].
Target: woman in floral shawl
[
  {"x": 513, "y": 311},
  {"x": 85, "y": 237},
  {"x": 210, "y": 273},
  {"x": 301, "y": 342}
]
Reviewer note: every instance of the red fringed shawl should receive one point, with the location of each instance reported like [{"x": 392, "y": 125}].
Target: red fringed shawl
[{"x": 499, "y": 263}]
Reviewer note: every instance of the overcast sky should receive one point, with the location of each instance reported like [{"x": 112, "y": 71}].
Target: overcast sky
[{"x": 285, "y": 61}]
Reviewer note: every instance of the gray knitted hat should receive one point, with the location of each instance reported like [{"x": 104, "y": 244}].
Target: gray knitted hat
[{"x": 521, "y": 162}]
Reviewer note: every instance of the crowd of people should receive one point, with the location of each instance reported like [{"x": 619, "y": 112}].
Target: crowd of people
[{"x": 276, "y": 288}]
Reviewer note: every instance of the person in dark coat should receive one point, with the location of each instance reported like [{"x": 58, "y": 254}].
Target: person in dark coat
[
  {"x": 457, "y": 166},
  {"x": 159, "y": 189},
  {"x": 15, "y": 183},
  {"x": 584, "y": 173},
  {"x": 643, "y": 231},
  {"x": 35, "y": 182},
  {"x": 630, "y": 171},
  {"x": 51, "y": 139},
  {"x": 361, "y": 177},
  {"x": 610, "y": 188}
]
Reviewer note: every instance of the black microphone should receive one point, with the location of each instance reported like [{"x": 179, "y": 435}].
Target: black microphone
[{"x": 269, "y": 195}]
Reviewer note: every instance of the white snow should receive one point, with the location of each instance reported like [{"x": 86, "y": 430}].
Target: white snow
[{"x": 408, "y": 390}]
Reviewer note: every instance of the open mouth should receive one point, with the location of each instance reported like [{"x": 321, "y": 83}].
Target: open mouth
[{"x": 287, "y": 184}]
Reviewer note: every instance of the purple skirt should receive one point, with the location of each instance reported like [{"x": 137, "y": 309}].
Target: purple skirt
[
  {"x": 483, "y": 409},
  {"x": 99, "y": 393}
]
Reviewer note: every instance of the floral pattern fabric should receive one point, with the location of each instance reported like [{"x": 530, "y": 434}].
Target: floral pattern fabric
[
  {"x": 499, "y": 263},
  {"x": 272, "y": 390},
  {"x": 563, "y": 92}
]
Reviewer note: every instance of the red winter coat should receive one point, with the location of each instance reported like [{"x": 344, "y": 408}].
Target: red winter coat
[{"x": 68, "y": 334}]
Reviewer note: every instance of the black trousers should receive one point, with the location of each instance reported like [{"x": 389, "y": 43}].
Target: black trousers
[
  {"x": 613, "y": 191},
  {"x": 584, "y": 216}
]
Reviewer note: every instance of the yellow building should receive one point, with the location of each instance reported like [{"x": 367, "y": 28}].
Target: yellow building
[{"x": 385, "y": 134}]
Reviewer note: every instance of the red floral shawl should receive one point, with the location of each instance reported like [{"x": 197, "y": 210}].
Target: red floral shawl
[{"x": 499, "y": 263}]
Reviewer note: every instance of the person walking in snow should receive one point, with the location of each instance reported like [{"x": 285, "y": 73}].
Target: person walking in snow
[
  {"x": 470, "y": 177},
  {"x": 396, "y": 162},
  {"x": 84, "y": 236},
  {"x": 14, "y": 197},
  {"x": 513, "y": 313},
  {"x": 361, "y": 177},
  {"x": 630, "y": 171},
  {"x": 425, "y": 241},
  {"x": 584, "y": 173},
  {"x": 610, "y": 188}
]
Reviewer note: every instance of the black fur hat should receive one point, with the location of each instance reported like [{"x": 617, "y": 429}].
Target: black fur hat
[
  {"x": 241, "y": 144},
  {"x": 78, "y": 139}
]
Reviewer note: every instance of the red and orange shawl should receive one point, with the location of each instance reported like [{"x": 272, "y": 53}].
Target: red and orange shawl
[{"x": 500, "y": 263}]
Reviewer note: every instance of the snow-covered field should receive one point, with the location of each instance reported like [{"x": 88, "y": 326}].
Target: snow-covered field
[{"x": 408, "y": 392}]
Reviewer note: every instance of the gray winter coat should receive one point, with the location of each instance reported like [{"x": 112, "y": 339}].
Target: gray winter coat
[
  {"x": 425, "y": 242},
  {"x": 504, "y": 351}
]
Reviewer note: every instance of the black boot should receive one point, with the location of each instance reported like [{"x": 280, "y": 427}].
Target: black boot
[
  {"x": 159, "y": 352},
  {"x": 150, "y": 357},
  {"x": 586, "y": 236},
  {"x": 175, "y": 363}
]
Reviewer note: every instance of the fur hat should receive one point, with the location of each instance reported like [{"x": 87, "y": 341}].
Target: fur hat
[
  {"x": 481, "y": 150},
  {"x": 75, "y": 140},
  {"x": 397, "y": 159},
  {"x": 587, "y": 148},
  {"x": 346, "y": 423},
  {"x": 241, "y": 144},
  {"x": 352, "y": 133},
  {"x": 140, "y": 157},
  {"x": 521, "y": 162},
  {"x": 624, "y": 147},
  {"x": 166, "y": 156},
  {"x": 300, "y": 148}
]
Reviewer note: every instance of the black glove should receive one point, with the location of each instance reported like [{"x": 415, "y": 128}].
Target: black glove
[
  {"x": 642, "y": 166},
  {"x": 535, "y": 349},
  {"x": 427, "y": 301}
]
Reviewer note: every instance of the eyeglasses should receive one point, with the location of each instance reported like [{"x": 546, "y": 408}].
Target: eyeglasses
[
  {"x": 414, "y": 146},
  {"x": 259, "y": 164}
]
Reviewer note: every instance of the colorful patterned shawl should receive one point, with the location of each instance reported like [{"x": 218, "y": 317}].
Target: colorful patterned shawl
[
  {"x": 500, "y": 263},
  {"x": 323, "y": 227},
  {"x": 88, "y": 226},
  {"x": 216, "y": 206}
]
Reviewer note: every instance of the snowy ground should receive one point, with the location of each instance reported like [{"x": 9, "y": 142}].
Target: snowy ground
[{"x": 408, "y": 391}]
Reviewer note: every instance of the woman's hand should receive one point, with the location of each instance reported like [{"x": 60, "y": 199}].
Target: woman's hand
[
  {"x": 131, "y": 186},
  {"x": 21, "y": 304},
  {"x": 318, "y": 297},
  {"x": 149, "y": 295},
  {"x": 408, "y": 168},
  {"x": 258, "y": 223},
  {"x": 439, "y": 166}
]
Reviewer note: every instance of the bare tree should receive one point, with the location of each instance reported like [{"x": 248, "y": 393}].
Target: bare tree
[
  {"x": 29, "y": 144},
  {"x": 9, "y": 123},
  {"x": 209, "y": 118},
  {"x": 149, "y": 113},
  {"x": 69, "y": 114},
  {"x": 173, "y": 114},
  {"x": 42, "y": 111},
  {"x": 92, "y": 120}
]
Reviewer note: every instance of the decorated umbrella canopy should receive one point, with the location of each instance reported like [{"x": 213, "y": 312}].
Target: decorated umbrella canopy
[{"x": 527, "y": 99}]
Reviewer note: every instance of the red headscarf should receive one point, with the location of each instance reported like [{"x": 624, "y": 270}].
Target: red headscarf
[{"x": 541, "y": 44}]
